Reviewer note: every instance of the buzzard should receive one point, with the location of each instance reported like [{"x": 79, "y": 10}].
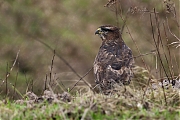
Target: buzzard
[{"x": 113, "y": 63}]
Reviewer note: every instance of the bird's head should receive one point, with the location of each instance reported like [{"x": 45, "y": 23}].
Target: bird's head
[{"x": 108, "y": 32}]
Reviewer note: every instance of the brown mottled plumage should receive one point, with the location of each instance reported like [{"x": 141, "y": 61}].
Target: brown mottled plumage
[{"x": 113, "y": 63}]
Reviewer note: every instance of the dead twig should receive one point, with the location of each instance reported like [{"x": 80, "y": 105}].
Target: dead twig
[
  {"x": 14, "y": 92},
  {"x": 8, "y": 74},
  {"x": 81, "y": 79},
  {"x": 66, "y": 63},
  {"x": 7, "y": 79},
  {"x": 50, "y": 74},
  {"x": 158, "y": 52},
  {"x": 177, "y": 42},
  {"x": 151, "y": 52}
]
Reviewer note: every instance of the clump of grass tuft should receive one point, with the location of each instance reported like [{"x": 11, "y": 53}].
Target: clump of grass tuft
[{"x": 127, "y": 103}]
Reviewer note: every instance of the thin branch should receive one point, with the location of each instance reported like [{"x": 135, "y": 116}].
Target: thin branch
[
  {"x": 50, "y": 74},
  {"x": 157, "y": 46},
  {"x": 173, "y": 34},
  {"x": 14, "y": 93},
  {"x": 81, "y": 79},
  {"x": 66, "y": 63},
  {"x": 7, "y": 75},
  {"x": 158, "y": 54},
  {"x": 61, "y": 87},
  {"x": 160, "y": 39},
  {"x": 7, "y": 78},
  {"x": 45, "y": 83},
  {"x": 151, "y": 52},
  {"x": 169, "y": 52}
]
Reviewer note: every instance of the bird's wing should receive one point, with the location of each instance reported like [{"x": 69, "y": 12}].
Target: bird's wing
[
  {"x": 123, "y": 58},
  {"x": 120, "y": 68},
  {"x": 100, "y": 64},
  {"x": 113, "y": 63}
]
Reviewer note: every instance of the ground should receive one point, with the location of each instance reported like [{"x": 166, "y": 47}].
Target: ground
[{"x": 126, "y": 103}]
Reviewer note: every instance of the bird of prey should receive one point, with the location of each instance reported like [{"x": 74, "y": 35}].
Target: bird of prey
[{"x": 113, "y": 63}]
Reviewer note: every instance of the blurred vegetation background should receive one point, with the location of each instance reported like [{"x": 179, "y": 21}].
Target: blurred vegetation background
[{"x": 68, "y": 27}]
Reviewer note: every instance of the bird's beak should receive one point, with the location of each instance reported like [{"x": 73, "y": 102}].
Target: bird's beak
[{"x": 98, "y": 31}]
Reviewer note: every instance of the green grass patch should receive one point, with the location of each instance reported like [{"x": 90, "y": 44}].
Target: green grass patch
[{"x": 89, "y": 105}]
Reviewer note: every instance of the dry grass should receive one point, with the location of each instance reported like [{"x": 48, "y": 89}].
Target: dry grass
[{"x": 126, "y": 103}]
